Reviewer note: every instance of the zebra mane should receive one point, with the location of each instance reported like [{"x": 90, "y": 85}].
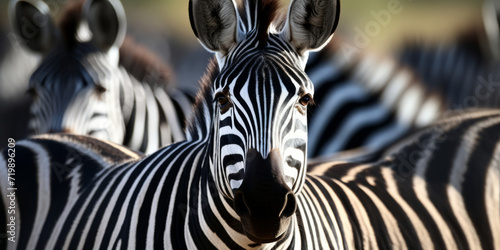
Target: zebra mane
[
  {"x": 143, "y": 64},
  {"x": 70, "y": 20},
  {"x": 257, "y": 15},
  {"x": 200, "y": 123}
]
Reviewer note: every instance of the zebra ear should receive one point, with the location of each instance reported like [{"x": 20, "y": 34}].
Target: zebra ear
[
  {"x": 214, "y": 22},
  {"x": 311, "y": 23},
  {"x": 106, "y": 22},
  {"x": 31, "y": 21}
]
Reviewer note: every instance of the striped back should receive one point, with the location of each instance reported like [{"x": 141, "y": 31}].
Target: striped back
[
  {"x": 437, "y": 189},
  {"x": 364, "y": 102},
  {"x": 369, "y": 102},
  {"x": 465, "y": 69}
]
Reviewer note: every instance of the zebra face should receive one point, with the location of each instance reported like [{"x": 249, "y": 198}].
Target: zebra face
[
  {"x": 260, "y": 103},
  {"x": 261, "y": 106},
  {"x": 261, "y": 138},
  {"x": 74, "y": 88},
  {"x": 71, "y": 95}
]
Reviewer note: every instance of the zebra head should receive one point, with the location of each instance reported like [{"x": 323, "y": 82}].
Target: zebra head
[
  {"x": 73, "y": 89},
  {"x": 260, "y": 100}
]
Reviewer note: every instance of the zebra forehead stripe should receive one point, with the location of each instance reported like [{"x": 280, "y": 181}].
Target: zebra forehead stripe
[{"x": 258, "y": 15}]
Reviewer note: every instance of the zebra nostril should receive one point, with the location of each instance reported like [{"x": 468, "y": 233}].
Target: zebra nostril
[
  {"x": 290, "y": 205},
  {"x": 240, "y": 205}
]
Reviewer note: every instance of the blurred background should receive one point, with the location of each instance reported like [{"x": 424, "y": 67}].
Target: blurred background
[
  {"x": 163, "y": 25},
  {"x": 379, "y": 26}
]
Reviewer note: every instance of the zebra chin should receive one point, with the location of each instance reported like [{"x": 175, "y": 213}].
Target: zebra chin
[
  {"x": 264, "y": 201},
  {"x": 266, "y": 234},
  {"x": 266, "y": 228}
]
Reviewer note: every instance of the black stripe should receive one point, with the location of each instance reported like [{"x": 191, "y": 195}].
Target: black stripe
[
  {"x": 144, "y": 212},
  {"x": 337, "y": 120},
  {"x": 405, "y": 225},
  {"x": 475, "y": 183},
  {"x": 322, "y": 209},
  {"x": 437, "y": 177},
  {"x": 90, "y": 207},
  {"x": 78, "y": 205}
]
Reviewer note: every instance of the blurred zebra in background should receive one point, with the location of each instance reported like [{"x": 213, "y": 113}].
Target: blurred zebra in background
[
  {"x": 464, "y": 70},
  {"x": 368, "y": 101},
  {"x": 364, "y": 102},
  {"x": 86, "y": 84},
  {"x": 457, "y": 71}
]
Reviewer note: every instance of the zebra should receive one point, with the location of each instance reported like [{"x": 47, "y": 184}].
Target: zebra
[
  {"x": 240, "y": 179},
  {"x": 438, "y": 189},
  {"x": 93, "y": 80},
  {"x": 365, "y": 101},
  {"x": 464, "y": 70},
  {"x": 455, "y": 71}
]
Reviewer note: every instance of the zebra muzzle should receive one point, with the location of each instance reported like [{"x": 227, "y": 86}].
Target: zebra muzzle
[{"x": 264, "y": 201}]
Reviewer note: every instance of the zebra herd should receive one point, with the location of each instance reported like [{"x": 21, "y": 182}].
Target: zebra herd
[{"x": 239, "y": 175}]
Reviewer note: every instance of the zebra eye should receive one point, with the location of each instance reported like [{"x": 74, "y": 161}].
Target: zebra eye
[
  {"x": 222, "y": 100},
  {"x": 100, "y": 89},
  {"x": 305, "y": 100}
]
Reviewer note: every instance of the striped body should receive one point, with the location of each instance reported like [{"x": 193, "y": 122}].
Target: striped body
[
  {"x": 415, "y": 198},
  {"x": 461, "y": 71},
  {"x": 366, "y": 101},
  {"x": 438, "y": 189}
]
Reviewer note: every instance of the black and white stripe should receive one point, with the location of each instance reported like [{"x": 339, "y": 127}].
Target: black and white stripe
[
  {"x": 80, "y": 88},
  {"x": 464, "y": 70},
  {"x": 369, "y": 102},
  {"x": 438, "y": 189},
  {"x": 415, "y": 198},
  {"x": 365, "y": 101},
  {"x": 180, "y": 197}
]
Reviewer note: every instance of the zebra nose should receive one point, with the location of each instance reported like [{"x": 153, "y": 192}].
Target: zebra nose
[
  {"x": 264, "y": 219},
  {"x": 288, "y": 206},
  {"x": 264, "y": 201}
]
